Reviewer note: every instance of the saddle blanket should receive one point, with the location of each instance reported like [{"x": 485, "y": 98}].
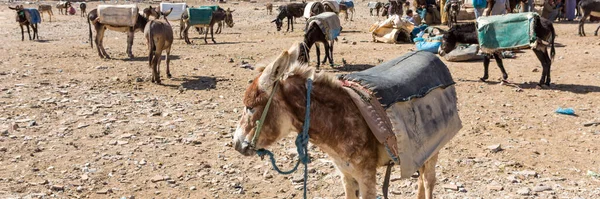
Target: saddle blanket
[
  {"x": 307, "y": 9},
  {"x": 506, "y": 32},
  {"x": 372, "y": 4},
  {"x": 349, "y": 4},
  {"x": 415, "y": 112},
  {"x": 33, "y": 15},
  {"x": 200, "y": 16},
  {"x": 333, "y": 4},
  {"x": 178, "y": 9},
  {"x": 118, "y": 15},
  {"x": 329, "y": 24}
]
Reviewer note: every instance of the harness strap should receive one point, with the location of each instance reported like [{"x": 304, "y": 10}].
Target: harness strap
[
  {"x": 260, "y": 122},
  {"x": 386, "y": 180}
]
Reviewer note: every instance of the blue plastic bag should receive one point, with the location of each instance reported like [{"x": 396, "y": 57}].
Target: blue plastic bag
[
  {"x": 430, "y": 44},
  {"x": 565, "y": 111}
]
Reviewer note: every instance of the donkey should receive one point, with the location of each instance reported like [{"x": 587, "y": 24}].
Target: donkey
[
  {"x": 217, "y": 16},
  {"x": 63, "y": 5},
  {"x": 290, "y": 11},
  {"x": 45, "y": 8},
  {"x": 467, "y": 34},
  {"x": 269, "y": 8},
  {"x": 346, "y": 7},
  {"x": 159, "y": 37},
  {"x": 588, "y": 7},
  {"x": 377, "y": 7},
  {"x": 452, "y": 8},
  {"x": 93, "y": 18},
  {"x": 24, "y": 18},
  {"x": 82, "y": 7},
  {"x": 336, "y": 125},
  {"x": 315, "y": 34}
]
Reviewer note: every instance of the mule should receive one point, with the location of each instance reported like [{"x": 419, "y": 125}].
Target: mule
[
  {"x": 82, "y": 7},
  {"x": 93, "y": 18},
  {"x": 24, "y": 19},
  {"x": 336, "y": 125},
  {"x": 589, "y": 8},
  {"x": 467, "y": 34},
  {"x": 269, "y": 8},
  {"x": 217, "y": 16},
  {"x": 289, "y": 11},
  {"x": 45, "y": 8},
  {"x": 159, "y": 37}
]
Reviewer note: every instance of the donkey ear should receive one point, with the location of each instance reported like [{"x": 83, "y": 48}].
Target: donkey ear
[
  {"x": 274, "y": 20},
  {"x": 12, "y": 8},
  {"x": 167, "y": 12},
  {"x": 274, "y": 72}
]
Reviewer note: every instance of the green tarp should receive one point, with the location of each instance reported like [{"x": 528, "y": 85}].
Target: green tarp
[
  {"x": 506, "y": 32},
  {"x": 200, "y": 16},
  {"x": 214, "y": 8}
]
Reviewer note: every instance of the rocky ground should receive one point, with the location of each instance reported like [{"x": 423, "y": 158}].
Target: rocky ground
[{"x": 73, "y": 125}]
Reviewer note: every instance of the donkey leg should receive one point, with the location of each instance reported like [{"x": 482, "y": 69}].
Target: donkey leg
[
  {"x": 185, "y": 35},
  {"x": 350, "y": 186},
  {"x": 582, "y": 21},
  {"x": 331, "y": 53},
  {"x": 318, "y": 56},
  {"x": 35, "y": 31},
  {"x": 100, "y": 43},
  {"x": 596, "y": 33},
  {"x": 205, "y": 35},
  {"x": 367, "y": 183},
  {"x": 22, "y": 33},
  {"x": 130, "y": 35},
  {"x": 155, "y": 68},
  {"x": 212, "y": 35},
  {"x": 168, "y": 60},
  {"x": 486, "y": 66},
  {"x": 427, "y": 178},
  {"x": 326, "y": 46},
  {"x": 28, "y": 32}
]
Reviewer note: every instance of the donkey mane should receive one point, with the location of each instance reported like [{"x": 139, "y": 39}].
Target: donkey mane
[{"x": 304, "y": 71}]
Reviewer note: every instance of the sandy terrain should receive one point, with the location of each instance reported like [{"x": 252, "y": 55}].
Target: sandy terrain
[{"x": 76, "y": 126}]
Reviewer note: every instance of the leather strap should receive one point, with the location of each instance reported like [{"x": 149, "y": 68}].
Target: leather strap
[{"x": 386, "y": 180}]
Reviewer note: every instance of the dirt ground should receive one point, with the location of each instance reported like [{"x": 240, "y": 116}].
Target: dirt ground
[{"x": 76, "y": 126}]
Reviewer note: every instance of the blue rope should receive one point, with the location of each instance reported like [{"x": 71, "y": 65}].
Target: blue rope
[{"x": 301, "y": 143}]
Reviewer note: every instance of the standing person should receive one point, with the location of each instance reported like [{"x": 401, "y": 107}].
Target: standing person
[
  {"x": 500, "y": 7},
  {"x": 443, "y": 12},
  {"x": 571, "y": 6},
  {"x": 478, "y": 7}
]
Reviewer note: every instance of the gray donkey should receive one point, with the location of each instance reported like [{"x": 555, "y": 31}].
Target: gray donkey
[{"x": 159, "y": 37}]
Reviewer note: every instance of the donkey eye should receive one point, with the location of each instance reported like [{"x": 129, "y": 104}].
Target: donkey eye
[{"x": 250, "y": 109}]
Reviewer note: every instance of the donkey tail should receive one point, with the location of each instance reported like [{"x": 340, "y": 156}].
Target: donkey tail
[
  {"x": 552, "y": 51},
  {"x": 152, "y": 44},
  {"x": 90, "y": 28}
]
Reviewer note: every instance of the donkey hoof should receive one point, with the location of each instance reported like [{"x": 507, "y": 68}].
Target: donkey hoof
[
  {"x": 483, "y": 79},
  {"x": 169, "y": 76}
]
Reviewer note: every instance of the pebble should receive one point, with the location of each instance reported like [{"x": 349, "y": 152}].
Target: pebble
[
  {"x": 158, "y": 178},
  {"x": 143, "y": 162},
  {"x": 103, "y": 191},
  {"x": 450, "y": 187},
  {"x": 524, "y": 191},
  {"x": 58, "y": 187},
  {"x": 126, "y": 136},
  {"x": 192, "y": 188},
  {"x": 495, "y": 187},
  {"x": 85, "y": 177},
  {"x": 32, "y": 123},
  {"x": 528, "y": 173},
  {"x": 494, "y": 148},
  {"x": 3, "y": 149},
  {"x": 542, "y": 188}
]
